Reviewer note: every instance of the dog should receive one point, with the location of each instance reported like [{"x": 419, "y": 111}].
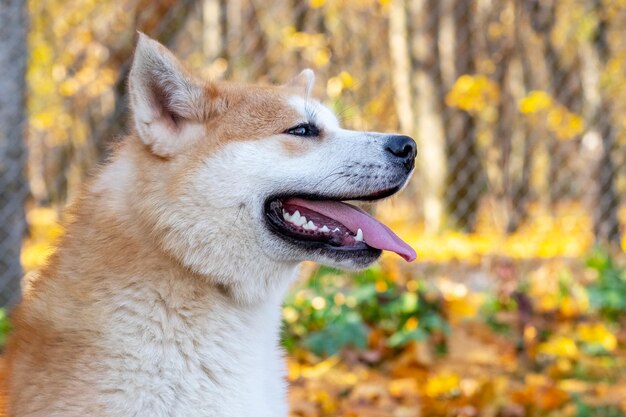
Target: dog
[{"x": 164, "y": 295}]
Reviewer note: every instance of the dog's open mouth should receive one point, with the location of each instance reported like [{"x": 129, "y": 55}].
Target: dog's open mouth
[{"x": 333, "y": 223}]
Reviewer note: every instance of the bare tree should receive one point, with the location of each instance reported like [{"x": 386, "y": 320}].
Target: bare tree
[
  {"x": 401, "y": 76},
  {"x": 428, "y": 102},
  {"x": 466, "y": 180},
  {"x": 601, "y": 132},
  {"x": 211, "y": 30},
  {"x": 13, "y": 186},
  {"x": 502, "y": 48},
  {"x": 401, "y": 69},
  {"x": 519, "y": 190}
]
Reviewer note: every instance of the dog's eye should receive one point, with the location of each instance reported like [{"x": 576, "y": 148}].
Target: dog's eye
[{"x": 304, "y": 129}]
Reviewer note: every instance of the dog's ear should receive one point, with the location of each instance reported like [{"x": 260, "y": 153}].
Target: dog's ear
[
  {"x": 169, "y": 106},
  {"x": 303, "y": 82}
]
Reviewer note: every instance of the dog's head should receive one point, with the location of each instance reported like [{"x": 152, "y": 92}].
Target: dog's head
[{"x": 234, "y": 175}]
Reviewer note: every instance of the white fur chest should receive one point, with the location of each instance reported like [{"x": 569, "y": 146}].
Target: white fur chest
[{"x": 188, "y": 358}]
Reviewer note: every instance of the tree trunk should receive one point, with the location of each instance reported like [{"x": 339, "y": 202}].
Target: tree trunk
[
  {"x": 401, "y": 73},
  {"x": 519, "y": 192},
  {"x": 600, "y": 137},
  {"x": 401, "y": 68},
  {"x": 211, "y": 30},
  {"x": 465, "y": 183},
  {"x": 429, "y": 129},
  {"x": 13, "y": 185}
]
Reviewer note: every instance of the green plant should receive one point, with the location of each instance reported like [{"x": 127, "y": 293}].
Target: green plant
[
  {"x": 5, "y": 327},
  {"x": 333, "y": 310},
  {"x": 491, "y": 310},
  {"x": 586, "y": 410},
  {"x": 606, "y": 293}
]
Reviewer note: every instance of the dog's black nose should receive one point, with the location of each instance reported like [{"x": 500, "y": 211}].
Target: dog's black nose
[{"x": 402, "y": 148}]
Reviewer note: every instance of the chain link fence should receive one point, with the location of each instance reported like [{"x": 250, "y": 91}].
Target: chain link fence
[
  {"x": 519, "y": 108},
  {"x": 13, "y": 184}
]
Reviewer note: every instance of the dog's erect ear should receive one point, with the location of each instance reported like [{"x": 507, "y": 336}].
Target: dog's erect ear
[
  {"x": 303, "y": 82},
  {"x": 168, "y": 104}
]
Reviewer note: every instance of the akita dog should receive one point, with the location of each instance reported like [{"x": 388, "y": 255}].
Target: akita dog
[{"x": 164, "y": 296}]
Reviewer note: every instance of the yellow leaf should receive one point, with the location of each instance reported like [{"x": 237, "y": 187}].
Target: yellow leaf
[
  {"x": 559, "y": 346},
  {"x": 443, "y": 384},
  {"x": 530, "y": 333},
  {"x": 327, "y": 402},
  {"x": 43, "y": 120},
  {"x": 597, "y": 333},
  {"x": 403, "y": 387},
  {"x": 535, "y": 102},
  {"x": 413, "y": 286},
  {"x": 41, "y": 54},
  {"x": 69, "y": 87},
  {"x": 346, "y": 79},
  {"x": 44, "y": 225},
  {"x": 34, "y": 255},
  {"x": 473, "y": 93},
  {"x": 321, "y": 57},
  {"x": 411, "y": 323},
  {"x": 381, "y": 286},
  {"x": 565, "y": 124}
]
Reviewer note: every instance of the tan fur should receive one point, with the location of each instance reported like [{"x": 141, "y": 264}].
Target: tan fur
[
  {"x": 106, "y": 251},
  {"x": 163, "y": 296}
]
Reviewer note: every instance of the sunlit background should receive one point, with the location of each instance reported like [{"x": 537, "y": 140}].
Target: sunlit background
[{"x": 516, "y": 306}]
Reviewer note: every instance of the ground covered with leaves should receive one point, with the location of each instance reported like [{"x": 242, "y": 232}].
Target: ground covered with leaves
[{"x": 507, "y": 339}]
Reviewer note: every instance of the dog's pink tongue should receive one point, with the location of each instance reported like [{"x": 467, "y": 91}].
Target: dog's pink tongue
[{"x": 375, "y": 234}]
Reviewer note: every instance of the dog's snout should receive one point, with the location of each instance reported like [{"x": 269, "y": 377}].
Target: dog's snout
[{"x": 402, "y": 148}]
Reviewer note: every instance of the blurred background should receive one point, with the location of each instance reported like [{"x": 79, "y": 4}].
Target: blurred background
[{"x": 516, "y": 304}]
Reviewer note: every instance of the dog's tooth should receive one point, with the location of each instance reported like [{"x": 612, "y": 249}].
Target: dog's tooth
[
  {"x": 336, "y": 230},
  {"x": 310, "y": 226},
  {"x": 301, "y": 221},
  {"x": 324, "y": 229},
  {"x": 295, "y": 218},
  {"x": 286, "y": 215},
  {"x": 359, "y": 236}
]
